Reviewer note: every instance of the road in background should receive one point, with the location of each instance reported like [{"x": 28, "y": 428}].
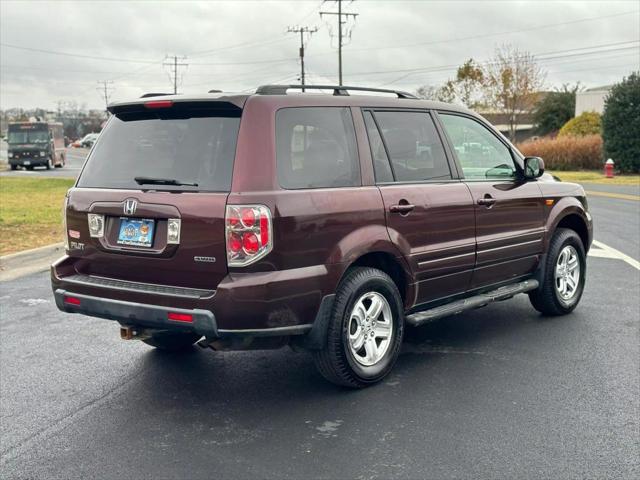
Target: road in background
[
  {"x": 75, "y": 158},
  {"x": 617, "y": 224},
  {"x": 496, "y": 392}
]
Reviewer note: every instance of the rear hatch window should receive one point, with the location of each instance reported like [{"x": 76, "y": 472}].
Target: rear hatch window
[{"x": 193, "y": 148}]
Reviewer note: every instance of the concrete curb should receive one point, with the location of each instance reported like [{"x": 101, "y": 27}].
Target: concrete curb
[{"x": 24, "y": 263}]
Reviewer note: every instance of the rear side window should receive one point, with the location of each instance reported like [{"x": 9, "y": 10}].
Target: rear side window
[
  {"x": 316, "y": 148},
  {"x": 414, "y": 146},
  {"x": 187, "y": 145}
]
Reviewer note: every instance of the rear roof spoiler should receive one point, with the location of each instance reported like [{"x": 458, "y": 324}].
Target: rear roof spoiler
[
  {"x": 231, "y": 102},
  {"x": 155, "y": 95}
]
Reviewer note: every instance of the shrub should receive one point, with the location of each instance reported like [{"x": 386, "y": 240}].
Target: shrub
[
  {"x": 621, "y": 124},
  {"x": 566, "y": 153},
  {"x": 555, "y": 109},
  {"x": 587, "y": 123}
]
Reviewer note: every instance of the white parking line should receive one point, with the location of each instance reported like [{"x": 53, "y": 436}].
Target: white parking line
[{"x": 604, "y": 251}]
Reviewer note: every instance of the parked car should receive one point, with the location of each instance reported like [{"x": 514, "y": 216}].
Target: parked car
[
  {"x": 323, "y": 222},
  {"x": 88, "y": 140},
  {"x": 84, "y": 141}
]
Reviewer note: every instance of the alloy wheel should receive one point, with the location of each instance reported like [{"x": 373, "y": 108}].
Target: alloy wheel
[
  {"x": 370, "y": 329},
  {"x": 567, "y": 273}
]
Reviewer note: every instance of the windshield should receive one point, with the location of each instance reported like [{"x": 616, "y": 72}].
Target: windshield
[
  {"x": 194, "y": 146},
  {"x": 28, "y": 136}
]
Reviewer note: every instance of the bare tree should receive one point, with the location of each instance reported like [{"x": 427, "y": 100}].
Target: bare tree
[
  {"x": 512, "y": 81},
  {"x": 444, "y": 93},
  {"x": 427, "y": 92},
  {"x": 465, "y": 88}
]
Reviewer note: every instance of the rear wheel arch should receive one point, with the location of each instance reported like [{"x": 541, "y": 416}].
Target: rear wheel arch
[{"x": 390, "y": 265}]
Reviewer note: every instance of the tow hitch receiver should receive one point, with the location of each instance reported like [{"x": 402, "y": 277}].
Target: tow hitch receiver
[{"x": 133, "y": 333}]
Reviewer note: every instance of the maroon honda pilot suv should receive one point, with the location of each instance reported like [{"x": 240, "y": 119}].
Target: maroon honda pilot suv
[{"x": 325, "y": 221}]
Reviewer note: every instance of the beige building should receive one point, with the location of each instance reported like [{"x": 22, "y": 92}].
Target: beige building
[{"x": 592, "y": 100}]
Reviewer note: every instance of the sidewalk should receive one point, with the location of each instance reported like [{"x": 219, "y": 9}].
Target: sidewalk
[{"x": 29, "y": 261}]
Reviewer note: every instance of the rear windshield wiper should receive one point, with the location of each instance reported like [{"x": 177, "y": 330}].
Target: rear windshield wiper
[{"x": 162, "y": 181}]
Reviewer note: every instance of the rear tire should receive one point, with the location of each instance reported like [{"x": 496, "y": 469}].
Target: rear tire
[
  {"x": 564, "y": 275},
  {"x": 365, "y": 331},
  {"x": 172, "y": 341},
  {"x": 14, "y": 167}
]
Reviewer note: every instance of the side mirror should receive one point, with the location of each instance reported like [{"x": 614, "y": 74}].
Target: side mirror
[{"x": 533, "y": 167}]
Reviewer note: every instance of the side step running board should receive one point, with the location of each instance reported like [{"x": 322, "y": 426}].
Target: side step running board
[{"x": 477, "y": 301}]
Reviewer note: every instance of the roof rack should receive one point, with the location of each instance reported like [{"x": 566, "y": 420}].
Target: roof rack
[
  {"x": 337, "y": 90},
  {"x": 155, "y": 95}
]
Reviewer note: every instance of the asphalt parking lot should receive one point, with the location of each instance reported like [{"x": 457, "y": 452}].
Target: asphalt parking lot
[{"x": 499, "y": 392}]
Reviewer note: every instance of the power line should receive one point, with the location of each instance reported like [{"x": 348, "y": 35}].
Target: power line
[
  {"x": 174, "y": 66},
  {"x": 340, "y": 14},
  {"x": 255, "y": 62},
  {"x": 106, "y": 90},
  {"x": 546, "y": 56},
  {"x": 485, "y": 35},
  {"x": 141, "y": 61},
  {"x": 302, "y": 31},
  {"x": 261, "y": 41},
  {"x": 539, "y": 56},
  {"x": 66, "y": 54}
]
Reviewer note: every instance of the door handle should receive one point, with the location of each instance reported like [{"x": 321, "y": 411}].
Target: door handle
[
  {"x": 487, "y": 200},
  {"x": 402, "y": 208}
]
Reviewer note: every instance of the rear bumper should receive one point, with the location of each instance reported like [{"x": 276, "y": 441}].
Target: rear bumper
[
  {"x": 279, "y": 303},
  {"x": 131, "y": 313},
  {"x": 28, "y": 162}
]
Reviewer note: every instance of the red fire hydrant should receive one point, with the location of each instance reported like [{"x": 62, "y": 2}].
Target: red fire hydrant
[{"x": 608, "y": 168}]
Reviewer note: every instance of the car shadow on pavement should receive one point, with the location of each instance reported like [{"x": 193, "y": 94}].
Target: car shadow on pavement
[{"x": 283, "y": 374}]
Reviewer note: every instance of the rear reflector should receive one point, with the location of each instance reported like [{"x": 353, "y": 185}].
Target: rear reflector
[
  {"x": 159, "y": 104},
  {"x": 180, "y": 317},
  {"x": 72, "y": 300}
]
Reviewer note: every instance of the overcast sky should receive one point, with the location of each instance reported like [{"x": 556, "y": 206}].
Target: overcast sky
[{"x": 237, "y": 45}]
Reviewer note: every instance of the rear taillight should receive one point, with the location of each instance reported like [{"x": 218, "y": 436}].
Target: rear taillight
[{"x": 248, "y": 234}]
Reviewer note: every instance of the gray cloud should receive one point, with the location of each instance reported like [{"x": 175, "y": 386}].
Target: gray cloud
[{"x": 384, "y": 39}]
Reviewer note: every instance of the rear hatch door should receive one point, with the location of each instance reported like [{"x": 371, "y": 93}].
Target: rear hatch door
[{"x": 150, "y": 167}]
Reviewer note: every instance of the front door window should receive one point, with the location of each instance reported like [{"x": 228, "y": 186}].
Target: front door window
[{"x": 481, "y": 155}]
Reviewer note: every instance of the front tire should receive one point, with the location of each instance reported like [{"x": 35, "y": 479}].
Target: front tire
[
  {"x": 564, "y": 275},
  {"x": 172, "y": 341},
  {"x": 49, "y": 164},
  {"x": 365, "y": 331}
]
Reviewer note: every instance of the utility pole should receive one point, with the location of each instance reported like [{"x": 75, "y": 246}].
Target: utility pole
[
  {"x": 302, "y": 31},
  {"x": 105, "y": 89},
  {"x": 340, "y": 14},
  {"x": 174, "y": 70}
]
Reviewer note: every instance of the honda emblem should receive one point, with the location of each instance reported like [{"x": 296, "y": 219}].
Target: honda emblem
[{"x": 130, "y": 206}]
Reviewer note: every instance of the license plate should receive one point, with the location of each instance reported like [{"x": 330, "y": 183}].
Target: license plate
[
  {"x": 137, "y": 232},
  {"x": 26, "y": 162}
]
